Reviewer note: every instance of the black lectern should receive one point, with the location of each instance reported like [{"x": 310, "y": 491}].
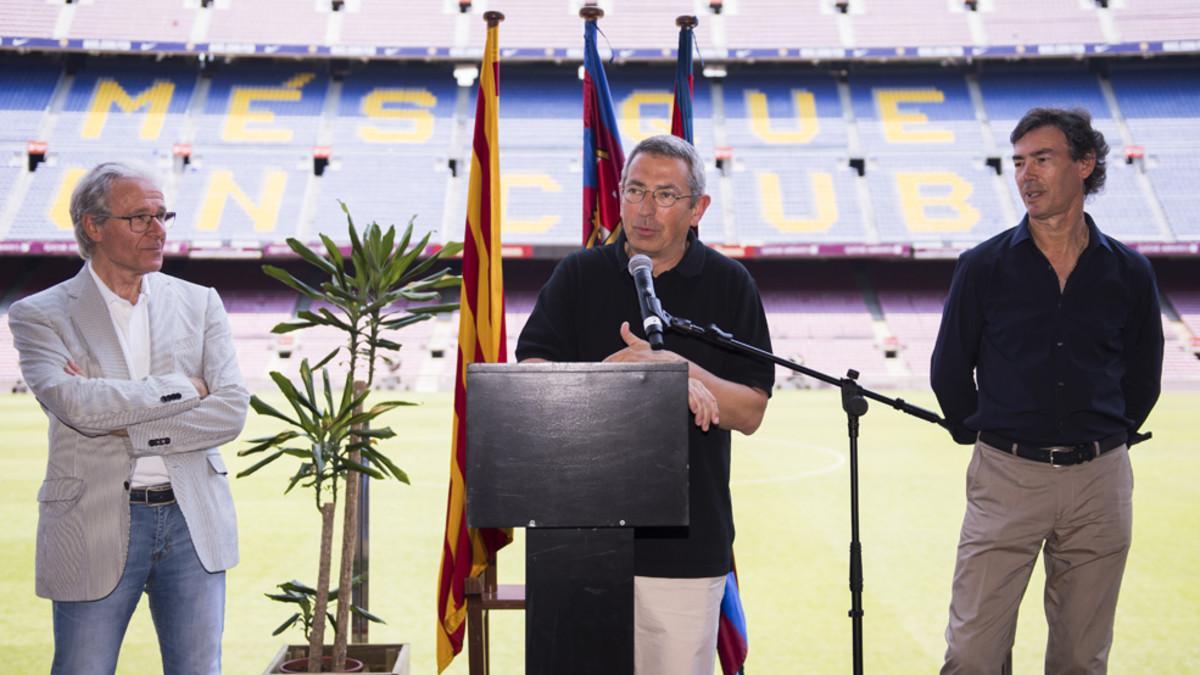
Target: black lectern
[{"x": 580, "y": 454}]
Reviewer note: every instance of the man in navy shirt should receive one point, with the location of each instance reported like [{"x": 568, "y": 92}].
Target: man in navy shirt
[{"x": 1049, "y": 359}]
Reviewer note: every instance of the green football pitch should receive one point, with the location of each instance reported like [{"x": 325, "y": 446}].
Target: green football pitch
[{"x": 791, "y": 501}]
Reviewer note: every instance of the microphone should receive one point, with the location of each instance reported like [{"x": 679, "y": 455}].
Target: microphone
[{"x": 640, "y": 268}]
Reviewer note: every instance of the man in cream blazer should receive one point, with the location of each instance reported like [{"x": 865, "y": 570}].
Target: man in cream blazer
[{"x": 137, "y": 374}]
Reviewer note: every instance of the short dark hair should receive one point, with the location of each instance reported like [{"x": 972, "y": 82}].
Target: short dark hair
[
  {"x": 1082, "y": 139},
  {"x": 666, "y": 145}
]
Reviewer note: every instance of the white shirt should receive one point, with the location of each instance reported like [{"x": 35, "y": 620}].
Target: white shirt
[{"x": 132, "y": 325}]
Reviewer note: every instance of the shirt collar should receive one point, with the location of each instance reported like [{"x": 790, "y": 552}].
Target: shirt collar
[
  {"x": 689, "y": 266},
  {"x": 107, "y": 293},
  {"x": 1095, "y": 236}
]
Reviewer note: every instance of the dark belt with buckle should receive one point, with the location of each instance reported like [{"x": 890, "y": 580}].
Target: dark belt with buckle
[
  {"x": 1056, "y": 455},
  {"x": 155, "y": 495}
]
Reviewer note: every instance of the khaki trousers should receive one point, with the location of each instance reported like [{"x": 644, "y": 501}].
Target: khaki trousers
[
  {"x": 675, "y": 625},
  {"x": 1080, "y": 518}
]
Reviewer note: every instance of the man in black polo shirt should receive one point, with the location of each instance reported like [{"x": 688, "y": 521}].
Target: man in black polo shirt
[
  {"x": 1060, "y": 326},
  {"x": 584, "y": 313}
]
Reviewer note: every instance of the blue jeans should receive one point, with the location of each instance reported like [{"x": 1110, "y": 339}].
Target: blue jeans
[{"x": 187, "y": 603}]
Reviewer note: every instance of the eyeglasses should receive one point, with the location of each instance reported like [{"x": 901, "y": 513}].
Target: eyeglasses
[
  {"x": 664, "y": 197},
  {"x": 139, "y": 223}
]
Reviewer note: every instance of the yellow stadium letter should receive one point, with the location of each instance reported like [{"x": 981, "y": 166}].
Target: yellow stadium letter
[
  {"x": 110, "y": 93},
  {"x": 222, "y": 187},
  {"x": 904, "y": 127},
  {"x": 770, "y": 195},
  {"x": 416, "y": 125},
  {"x": 60, "y": 208},
  {"x": 239, "y": 116},
  {"x": 806, "y": 126},
  {"x": 951, "y": 192},
  {"x": 539, "y": 181},
  {"x": 634, "y": 126}
]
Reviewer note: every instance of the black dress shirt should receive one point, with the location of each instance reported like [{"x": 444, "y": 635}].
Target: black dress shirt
[{"x": 1049, "y": 367}]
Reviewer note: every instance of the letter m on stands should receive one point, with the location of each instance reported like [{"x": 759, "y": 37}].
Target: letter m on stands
[{"x": 156, "y": 99}]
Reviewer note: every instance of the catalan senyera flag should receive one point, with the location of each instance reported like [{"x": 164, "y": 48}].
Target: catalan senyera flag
[
  {"x": 481, "y": 338},
  {"x": 603, "y": 158}
]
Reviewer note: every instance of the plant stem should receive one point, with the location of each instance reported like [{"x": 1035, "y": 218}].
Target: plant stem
[
  {"x": 346, "y": 561},
  {"x": 316, "y": 642}
]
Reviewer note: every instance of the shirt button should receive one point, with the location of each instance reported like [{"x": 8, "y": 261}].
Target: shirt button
[
  {"x": 1058, "y": 344},
  {"x": 1060, "y": 384}
]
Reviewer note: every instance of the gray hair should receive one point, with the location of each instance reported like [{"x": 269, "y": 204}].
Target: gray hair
[
  {"x": 666, "y": 145},
  {"x": 90, "y": 197}
]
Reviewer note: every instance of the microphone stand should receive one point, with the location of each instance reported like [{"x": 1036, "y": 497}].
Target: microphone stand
[{"x": 854, "y": 402}]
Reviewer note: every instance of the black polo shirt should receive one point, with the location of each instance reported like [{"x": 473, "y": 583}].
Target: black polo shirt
[
  {"x": 1052, "y": 367},
  {"x": 578, "y": 317}
]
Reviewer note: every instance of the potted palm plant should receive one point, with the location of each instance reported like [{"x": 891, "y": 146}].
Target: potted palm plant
[{"x": 383, "y": 286}]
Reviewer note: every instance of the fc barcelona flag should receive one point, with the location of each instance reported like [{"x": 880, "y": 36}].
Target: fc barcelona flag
[
  {"x": 685, "y": 84},
  {"x": 603, "y": 158},
  {"x": 732, "y": 639},
  {"x": 481, "y": 339}
]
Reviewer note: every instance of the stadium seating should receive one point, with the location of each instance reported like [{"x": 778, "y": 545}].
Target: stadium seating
[
  {"x": 116, "y": 103},
  {"x": 906, "y": 112},
  {"x": 743, "y": 26},
  {"x": 782, "y": 108},
  {"x": 1158, "y": 20},
  {"x": 935, "y": 197},
  {"x": 263, "y": 103},
  {"x": 26, "y": 86},
  {"x": 776, "y": 24},
  {"x": 29, "y": 19},
  {"x": 1175, "y": 178},
  {"x": 402, "y": 24},
  {"x": 397, "y": 135},
  {"x": 1032, "y": 22},
  {"x": 255, "y": 21},
  {"x": 888, "y": 24},
  {"x": 787, "y": 197},
  {"x": 136, "y": 20}
]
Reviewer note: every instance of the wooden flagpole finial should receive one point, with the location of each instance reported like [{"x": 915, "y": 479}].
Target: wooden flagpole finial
[
  {"x": 591, "y": 13},
  {"x": 493, "y": 18},
  {"x": 687, "y": 21}
]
